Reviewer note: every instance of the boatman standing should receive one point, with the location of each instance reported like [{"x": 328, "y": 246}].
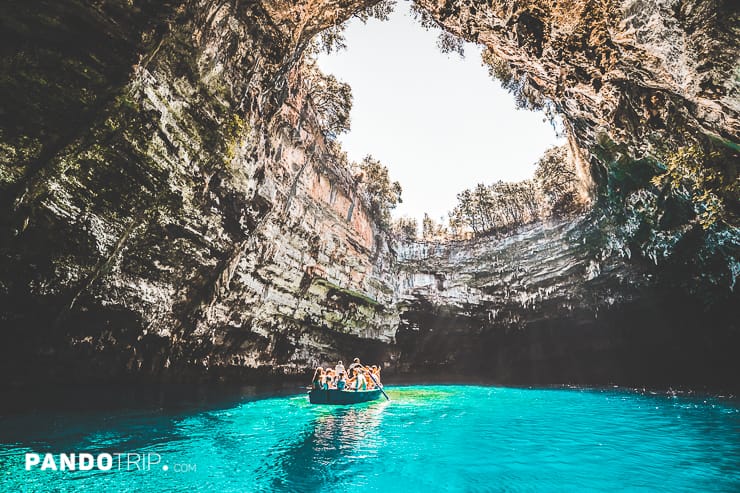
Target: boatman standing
[{"x": 355, "y": 362}]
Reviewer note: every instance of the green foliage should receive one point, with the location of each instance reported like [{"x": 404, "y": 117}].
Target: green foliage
[
  {"x": 501, "y": 206},
  {"x": 704, "y": 180},
  {"x": 688, "y": 177},
  {"x": 621, "y": 174},
  {"x": 423, "y": 17},
  {"x": 446, "y": 41},
  {"x": 332, "y": 38},
  {"x": 381, "y": 11},
  {"x": 379, "y": 191},
  {"x": 432, "y": 230},
  {"x": 405, "y": 229},
  {"x": 693, "y": 183},
  {"x": 13, "y": 155},
  {"x": 449, "y": 43},
  {"x": 499, "y": 69},
  {"x": 679, "y": 208},
  {"x": 526, "y": 94},
  {"x": 330, "y": 98},
  {"x": 556, "y": 179},
  {"x": 233, "y": 130}
]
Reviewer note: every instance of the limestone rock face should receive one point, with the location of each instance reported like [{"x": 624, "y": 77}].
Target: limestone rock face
[
  {"x": 553, "y": 304},
  {"x": 194, "y": 220},
  {"x": 171, "y": 209}
]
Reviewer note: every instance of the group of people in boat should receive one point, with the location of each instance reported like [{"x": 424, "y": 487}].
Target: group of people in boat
[{"x": 356, "y": 377}]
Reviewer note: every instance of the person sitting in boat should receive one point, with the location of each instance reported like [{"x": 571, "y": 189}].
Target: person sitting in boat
[
  {"x": 330, "y": 379},
  {"x": 360, "y": 381},
  {"x": 351, "y": 379},
  {"x": 339, "y": 368},
  {"x": 318, "y": 378},
  {"x": 334, "y": 379},
  {"x": 375, "y": 370},
  {"x": 341, "y": 381}
]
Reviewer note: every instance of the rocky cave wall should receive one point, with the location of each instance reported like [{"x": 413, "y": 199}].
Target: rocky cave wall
[
  {"x": 193, "y": 218},
  {"x": 617, "y": 296},
  {"x": 172, "y": 211},
  {"x": 552, "y": 304}
]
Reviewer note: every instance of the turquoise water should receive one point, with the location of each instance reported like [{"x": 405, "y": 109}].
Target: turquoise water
[{"x": 429, "y": 438}]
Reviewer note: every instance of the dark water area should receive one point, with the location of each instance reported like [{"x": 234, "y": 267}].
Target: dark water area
[
  {"x": 427, "y": 438},
  {"x": 97, "y": 398}
]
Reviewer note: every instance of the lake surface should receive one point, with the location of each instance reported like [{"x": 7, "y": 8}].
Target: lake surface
[{"x": 429, "y": 438}]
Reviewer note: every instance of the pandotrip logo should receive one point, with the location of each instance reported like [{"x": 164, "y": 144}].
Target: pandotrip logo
[{"x": 103, "y": 462}]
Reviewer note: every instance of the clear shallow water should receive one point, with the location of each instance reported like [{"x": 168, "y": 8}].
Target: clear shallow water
[{"x": 429, "y": 438}]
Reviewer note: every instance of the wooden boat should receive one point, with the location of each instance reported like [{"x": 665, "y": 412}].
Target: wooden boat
[{"x": 334, "y": 396}]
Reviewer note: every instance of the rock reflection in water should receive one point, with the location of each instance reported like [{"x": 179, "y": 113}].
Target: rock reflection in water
[{"x": 328, "y": 451}]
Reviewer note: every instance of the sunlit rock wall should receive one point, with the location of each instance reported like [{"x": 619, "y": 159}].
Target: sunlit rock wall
[{"x": 551, "y": 304}]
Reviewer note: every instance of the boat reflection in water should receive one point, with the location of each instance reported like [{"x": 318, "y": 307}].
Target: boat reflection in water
[
  {"x": 331, "y": 450},
  {"x": 334, "y": 396}
]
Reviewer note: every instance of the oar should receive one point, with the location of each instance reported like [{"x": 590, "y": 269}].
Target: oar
[{"x": 377, "y": 384}]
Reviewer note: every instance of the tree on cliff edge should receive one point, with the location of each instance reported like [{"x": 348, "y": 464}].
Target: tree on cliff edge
[
  {"x": 556, "y": 178},
  {"x": 330, "y": 98},
  {"x": 503, "y": 205},
  {"x": 406, "y": 229},
  {"x": 381, "y": 194},
  {"x": 431, "y": 230}
]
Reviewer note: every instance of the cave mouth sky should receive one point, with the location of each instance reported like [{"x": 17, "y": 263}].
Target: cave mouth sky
[{"x": 423, "y": 112}]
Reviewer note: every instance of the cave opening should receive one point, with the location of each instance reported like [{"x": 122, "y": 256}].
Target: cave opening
[
  {"x": 613, "y": 130},
  {"x": 424, "y": 102}
]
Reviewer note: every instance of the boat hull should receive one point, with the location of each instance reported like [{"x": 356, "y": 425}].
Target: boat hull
[{"x": 343, "y": 396}]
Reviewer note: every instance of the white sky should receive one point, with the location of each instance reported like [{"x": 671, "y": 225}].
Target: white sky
[{"x": 439, "y": 123}]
